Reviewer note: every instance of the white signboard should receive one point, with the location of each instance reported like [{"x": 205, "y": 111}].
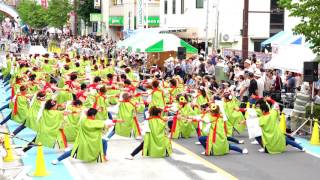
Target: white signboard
[{"x": 140, "y": 14}]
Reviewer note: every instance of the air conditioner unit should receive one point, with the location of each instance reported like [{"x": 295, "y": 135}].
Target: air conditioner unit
[{"x": 227, "y": 38}]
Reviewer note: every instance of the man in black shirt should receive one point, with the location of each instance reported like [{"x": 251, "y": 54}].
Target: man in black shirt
[{"x": 253, "y": 88}]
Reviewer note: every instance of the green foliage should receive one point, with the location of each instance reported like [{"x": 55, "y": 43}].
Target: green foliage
[
  {"x": 33, "y": 14},
  {"x": 2, "y": 16},
  {"x": 309, "y": 26},
  {"x": 58, "y": 11},
  {"x": 85, "y": 8}
]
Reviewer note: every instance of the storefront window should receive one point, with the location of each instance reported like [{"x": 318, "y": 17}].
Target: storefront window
[
  {"x": 165, "y": 7},
  {"x": 173, "y": 6}
]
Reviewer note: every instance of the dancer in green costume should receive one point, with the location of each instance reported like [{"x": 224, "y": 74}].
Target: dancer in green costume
[
  {"x": 272, "y": 140},
  {"x": 235, "y": 118},
  {"x": 101, "y": 103},
  {"x": 71, "y": 125},
  {"x": 127, "y": 112},
  {"x": 216, "y": 143},
  {"x": 49, "y": 131},
  {"x": 89, "y": 145},
  {"x": 34, "y": 113},
  {"x": 155, "y": 142},
  {"x": 20, "y": 106},
  {"x": 157, "y": 96},
  {"x": 181, "y": 126}
]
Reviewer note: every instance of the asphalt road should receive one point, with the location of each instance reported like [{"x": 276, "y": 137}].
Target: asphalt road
[{"x": 292, "y": 164}]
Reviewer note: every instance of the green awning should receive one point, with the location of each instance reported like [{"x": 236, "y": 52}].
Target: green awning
[
  {"x": 157, "y": 47},
  {"x": 190, "y": 49}
]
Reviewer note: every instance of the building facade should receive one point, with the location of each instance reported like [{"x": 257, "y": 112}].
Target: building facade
[
  {"x": 225, "y": 21},
  {"x": 120, "y": 17}
]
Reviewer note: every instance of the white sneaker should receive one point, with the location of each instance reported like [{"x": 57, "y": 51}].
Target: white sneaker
[
  {"x": 54, "y": 162},
  {"x": 245, "y": 151},
  {"x": 138, "y": 137},
  {"x": 197, "y": 143},
  {"x": 255, "y": 142},
  {"x": 67, "y": 149},
  {"x": 261, "y": 150},
  {"x": 241, "y": 141},
  {"x": 129, "y": 157},
  {"x": 203, "y": 153},
  {"x": 303, "y": 150},
  {"x": 20, "y": 152}
]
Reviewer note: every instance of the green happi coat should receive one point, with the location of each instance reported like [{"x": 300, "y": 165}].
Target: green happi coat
[
  {"x": 102, "y": 102},
  {"x": 173, "y": 92},
  {"x": 64, "y": 95},
  {"x": 156, "y": 143},
  {"x": 217, "y": 143},
  {"x": 234, "y": 117},
  {"x": 272, "y": 138},
  {"x": 157, "y": 99},
  {"x": 71, "y": 126},
  {"x": 49, "y": 129},
  {"x": 182, "y": 127},
  {"x": 200, "y": 100},
  {"x": 113, "y": 93},
  {"x": 32, "y": 118},
  {"x": 127, "y": 112},
  {"x": 22, "y": 109},
  {"x": 88, "y": 143}
]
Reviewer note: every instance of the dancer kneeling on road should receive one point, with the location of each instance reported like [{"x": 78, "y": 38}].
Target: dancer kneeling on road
[
  {"x": 272, "y": 141},
  {"x": 156, "y": 142},
  {"x": 89, "y": 145},
  {"x": 216, "y": 143}
]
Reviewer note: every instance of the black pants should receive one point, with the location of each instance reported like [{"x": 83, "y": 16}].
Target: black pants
[
  {"x": 29, "y": 146},
  {"x": 137, "y": 150}
]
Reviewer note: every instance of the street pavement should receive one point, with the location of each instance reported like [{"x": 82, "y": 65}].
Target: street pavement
[{"x": 293, "y": 164}]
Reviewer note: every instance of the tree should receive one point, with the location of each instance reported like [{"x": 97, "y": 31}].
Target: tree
[
  {"x": 58, "y": 11},
  {"x": 32, "y": 14},
  {"x": 85, "y": 8},
  {"x": 309, "y": 26}
]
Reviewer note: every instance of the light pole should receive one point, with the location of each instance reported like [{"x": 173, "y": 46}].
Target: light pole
[{"x": 207, "y": 30}]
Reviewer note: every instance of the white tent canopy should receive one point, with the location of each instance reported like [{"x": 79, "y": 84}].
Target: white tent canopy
[{"x": 290, "y": 57}]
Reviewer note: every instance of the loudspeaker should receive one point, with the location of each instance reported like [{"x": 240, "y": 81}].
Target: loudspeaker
[
  {"x": 310, "y": 71},
  {"x": 181, "y": 54}
]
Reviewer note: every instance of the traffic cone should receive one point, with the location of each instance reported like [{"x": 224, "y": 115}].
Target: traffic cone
[
  {"x": 315, "y": 134},
  {"x": 40, "y": 164},
  {"x": 7, "y": 146},
  {"x": 283, "y": 123}
]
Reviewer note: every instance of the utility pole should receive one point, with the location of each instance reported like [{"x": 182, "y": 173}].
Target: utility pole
[
  {"x": 207, "y": 29},
  {"x": 245, "y": 39}
]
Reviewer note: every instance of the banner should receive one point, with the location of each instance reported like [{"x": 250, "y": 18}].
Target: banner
[
  {"x": 95, "y": 17},
  {"x": 140, "y": 14},
  {"x": 97, "y": 4}
]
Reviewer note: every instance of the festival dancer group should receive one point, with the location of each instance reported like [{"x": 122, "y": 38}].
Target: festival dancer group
[{"x": 66, "y": 100}]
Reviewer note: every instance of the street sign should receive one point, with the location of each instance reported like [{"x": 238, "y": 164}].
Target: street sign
[
  {"x": 140, "y": 14},
  {"x": 95, "y": 17}
]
